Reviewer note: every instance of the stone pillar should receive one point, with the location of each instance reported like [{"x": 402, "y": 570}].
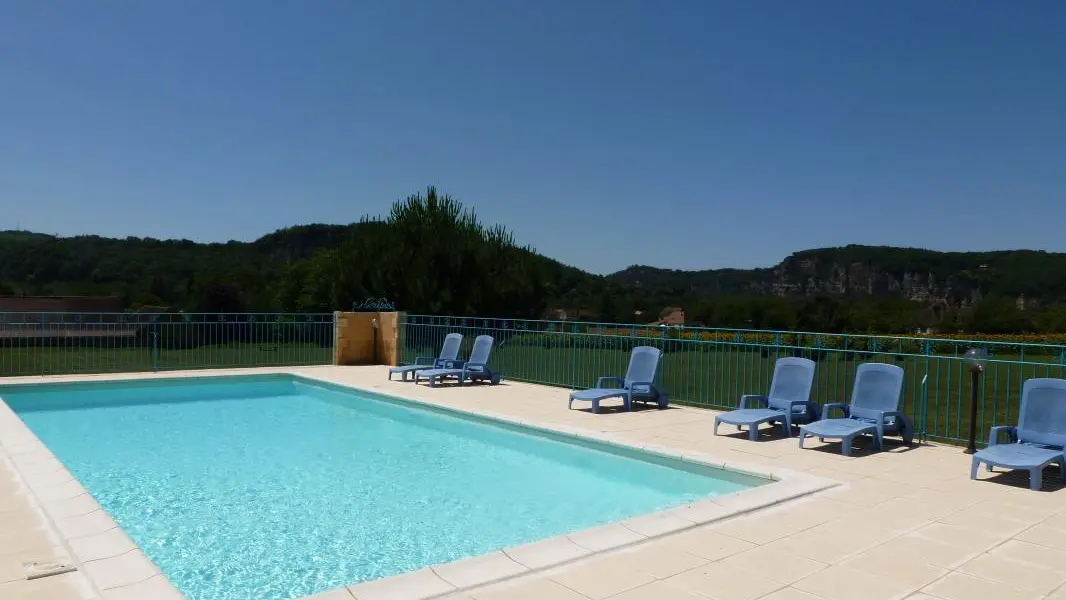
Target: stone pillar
[{"x": 354, "y": 338}]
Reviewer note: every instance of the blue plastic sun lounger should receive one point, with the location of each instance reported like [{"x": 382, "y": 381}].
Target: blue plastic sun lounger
[
  {"x": 449, "y": 351},
  {"x": 476, "y": 368},
  {"x": 1039, "y": 439},
  {"x": 638, "y": 384},
  {"x": 874, "y": 410},
  {"x": 788, "y": 401}
]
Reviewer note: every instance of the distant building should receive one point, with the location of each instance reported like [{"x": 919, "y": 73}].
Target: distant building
[
  {"x": 671, "y": 317},
  {"x": 51, "y": 317},
  {"x": 61, "y": 304}
]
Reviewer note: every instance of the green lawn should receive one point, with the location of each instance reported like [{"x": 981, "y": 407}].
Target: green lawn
[
  {"x": 716, "y": 375},
  {"x": 57, "y": 360}
]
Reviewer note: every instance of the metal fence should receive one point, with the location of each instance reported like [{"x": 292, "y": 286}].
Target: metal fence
[
  {"x": 35, "y": 343},
  {"x": 714, "y": 367}
]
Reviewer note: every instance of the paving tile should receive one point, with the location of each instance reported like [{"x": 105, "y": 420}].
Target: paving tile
[
  {"x": 920, "y": 550},
  {"x": 888, "y": 561},
  {"x": 409, "y": 586},
  {"x": 547, "y": 552},
  {"x": 790, "y": 593},
  {"x": 778, "y": 566},
  {"x": 843, "y": 583},
  {"x": 599, "y": 578},
  {"x": 540, "y": 588},
  {"x": 721, "y": 582},
  {"x": 93, "y": 523},
  {"x": 960, "y": 586},
  {"x": 479, "y": 570},
  {"x": 832, "y": 542},
  {"x": 109, "y": 544},
  {"x": 68, "y": 586},
  {"x": 1025, "y": 553},
  {"x": 337, "y": 594},
  {"x": 156, "y": 588},
  {"x": 704, "y": 543},
  {"x": 1031, "y": 578},
  {"x": 655, "y": 562},
  {"x": 605, "y": 538},
  {"x": 659, "y": 590},
  {"x": 1044, "y": 535},
  {"x": 118, "y": 571}
]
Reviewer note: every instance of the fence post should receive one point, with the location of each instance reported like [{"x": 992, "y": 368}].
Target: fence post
[
  {"x": 155, "y": 346},
  {"x": 573, "y": 360},
  {"x": 41, "y": 345}
]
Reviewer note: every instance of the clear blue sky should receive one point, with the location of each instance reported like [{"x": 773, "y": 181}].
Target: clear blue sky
[{"x": 684, "y": 134}]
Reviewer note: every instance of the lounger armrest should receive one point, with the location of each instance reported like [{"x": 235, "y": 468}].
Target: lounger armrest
[
  {"x": 452, "y": 364},
  {"x": 993, "y": 434},
  {"x": 763, "y": 401},
  {"x": 651, "y": 386},
  {"x": 812, "y": 408},
  {"x": 425, "y": 360},
  {"x": 475, "y": 366},
  {"x": 602, "y": 382},
  {"x": 893, "y": 413},
  {"x": 844, "y": 408}
]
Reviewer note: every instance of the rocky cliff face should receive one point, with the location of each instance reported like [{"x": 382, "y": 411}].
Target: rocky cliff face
[
  {"x": 956, "y": 278},
  {"x": 809, "y": 276}
]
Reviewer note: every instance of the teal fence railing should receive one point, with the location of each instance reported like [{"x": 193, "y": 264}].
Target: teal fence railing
[
  {"x": 714, "y": 367},
  {"x": 37, "y": 343}
]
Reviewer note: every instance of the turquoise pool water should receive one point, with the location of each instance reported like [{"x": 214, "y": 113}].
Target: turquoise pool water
[{"x": 276, "y": 487}]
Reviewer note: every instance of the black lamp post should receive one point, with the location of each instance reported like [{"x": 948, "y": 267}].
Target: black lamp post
[{"x": 975, "y": 360}]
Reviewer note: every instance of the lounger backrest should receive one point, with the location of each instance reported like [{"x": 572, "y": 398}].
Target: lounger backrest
[
  {"x": 1042, "y": 416},
  {"x": 450, "y": 349},
  {"x": 643, "y": 364},
  {"x": 482, "y": 349},
  {"x": 877, "y": 389},
  {"x": 793, "y": 379}
]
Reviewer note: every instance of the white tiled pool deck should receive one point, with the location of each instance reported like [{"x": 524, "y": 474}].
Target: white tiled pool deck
[{"x": 904, "y": 523}]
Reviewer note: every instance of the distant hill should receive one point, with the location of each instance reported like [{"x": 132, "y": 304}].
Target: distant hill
[
  {"x": 878, "y": 271},
  {"x": 145, "y": 271}
]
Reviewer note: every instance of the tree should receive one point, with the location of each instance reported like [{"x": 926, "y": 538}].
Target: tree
[{"x": 218, "y": 297}]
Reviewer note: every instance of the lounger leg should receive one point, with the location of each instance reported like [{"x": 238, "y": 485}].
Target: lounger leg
[
  {"x": 786, "y": 425},
  {"x": 570, "y": 405},
  {"x": 717, "y": 422},
  {"x": 595, "y": 406},
  {"x": 845, "y": 446},
  {"x": 753, "y": 432},
  {"x": 1036, "y": 478},
  {"x": 803, "y": 434},
  {"x": 974, "y": 464},
  {"x": 1062, "y": 469}
]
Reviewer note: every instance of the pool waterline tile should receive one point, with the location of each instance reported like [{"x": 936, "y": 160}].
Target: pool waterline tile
[{"x": 113, "y": 572}]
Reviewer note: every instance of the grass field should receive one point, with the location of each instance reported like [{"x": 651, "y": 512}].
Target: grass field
[
  {"x": 57, "y": 360},
  {"x": 717, "y": 374}
]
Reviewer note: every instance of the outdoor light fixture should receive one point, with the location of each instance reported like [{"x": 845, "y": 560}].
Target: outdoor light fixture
[
  {"x": 374, "y": 324},
  {"x": 975, "y": 359}
]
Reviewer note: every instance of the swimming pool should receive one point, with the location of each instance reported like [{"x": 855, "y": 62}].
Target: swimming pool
[{"x": 276, "y": 486}]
